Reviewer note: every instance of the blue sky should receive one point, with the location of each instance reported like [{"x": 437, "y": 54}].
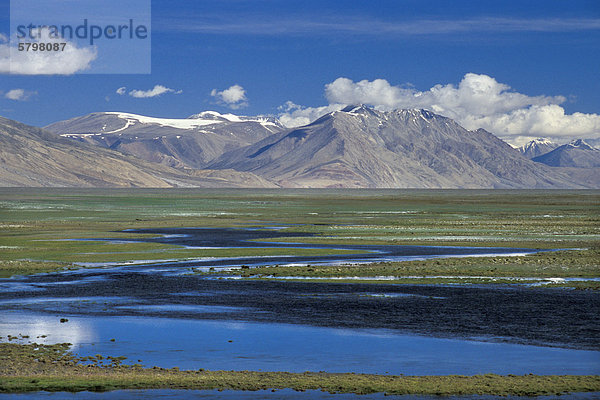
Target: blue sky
[{"x": 536, "y": 58}]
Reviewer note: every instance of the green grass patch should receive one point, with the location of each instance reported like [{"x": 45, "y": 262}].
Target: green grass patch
[
  {"x": 11, "y": 268},
  {"x": 102, "y": 251},
  {"x": 59, "y": 245},
  {"x": 563, "y": 264},
  {"x": 471, "y": 270}
]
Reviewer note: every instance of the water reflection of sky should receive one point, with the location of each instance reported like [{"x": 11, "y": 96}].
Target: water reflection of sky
[
  {"x": 215, "y": 345},
  {"x": 46, "y": 330}
]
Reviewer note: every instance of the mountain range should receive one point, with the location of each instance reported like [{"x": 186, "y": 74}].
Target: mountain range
[
  {"x": 190, "y": 142},
  {"x": 357, "y": 147},
  {"x": 362, "y": 147},
  {"x": 31, "y": 156},
  {"x": 577, "y": 154}
]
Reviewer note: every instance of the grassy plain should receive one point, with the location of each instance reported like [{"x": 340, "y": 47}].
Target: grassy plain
[{"x": 36, "y": 223}]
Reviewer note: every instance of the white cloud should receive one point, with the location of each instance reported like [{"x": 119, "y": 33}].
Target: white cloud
[
  {"x": 361, "y": 25},
  {"x": 121, "y": 91},
  {"x": 478, "y": 95},
  {"x": 68, "y": 61},
  {"x": 479, "y": 101},
  {"x": 295, "y": 115},
  {"x": 19, "y": 94},
  {"x": 233, "y": 97},
  {"x": 539, "y": 120},
  {"x": 157, "y": 90}
]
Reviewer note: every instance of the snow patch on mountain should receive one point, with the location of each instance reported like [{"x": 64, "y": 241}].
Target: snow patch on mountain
[
  {"x": 193, "y": 122},
  {"x": 580, "y": 144},
  {"x": 537, "y": 147},
  {"x": 179, "y": 123},
  {"x": 218, "y": 117}
]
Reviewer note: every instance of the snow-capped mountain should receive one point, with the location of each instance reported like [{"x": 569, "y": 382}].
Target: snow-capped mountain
[
  {"x": 537, "y": 147},
  {"x": 190, "y": 142},
  {"x": 577, "y": 154},
  {"x": 355, "y": 147},
  {"x": 362, "y": 147},
  {"x": 34, "y": 157}
]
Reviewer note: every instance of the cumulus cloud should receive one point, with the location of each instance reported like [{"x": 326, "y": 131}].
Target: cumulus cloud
[
  {"x": 478, "y": 101},
  {"x": 157, "y": 90},
  {"x": 19, "y": 94},
  {"x": 233, "y": 97},
  {"x": 70, "y": 60},
  {"x": 293, "y": 115},
  {"x": 121, "y": 91},
  {"x": 476, "y": 95}
]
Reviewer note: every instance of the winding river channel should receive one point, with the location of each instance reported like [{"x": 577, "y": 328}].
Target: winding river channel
[{"x": 163, "y": 315}]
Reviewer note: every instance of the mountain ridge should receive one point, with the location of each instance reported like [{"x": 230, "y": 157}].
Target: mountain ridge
[
  {"x": 356, "y": 147},
  {"x": 577, "y": 154},
  {"x": 33, "y": 157},
  {"x": 362, "y": 147},
  {"x": 190, "y": 142}
]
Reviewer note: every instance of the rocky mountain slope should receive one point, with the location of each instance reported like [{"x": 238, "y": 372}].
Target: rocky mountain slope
[
  {"x": 577, "y": 154},
  {"x": 183, "y": 143},
  {"x": 362, "y": 147},
  {"x": 31, "y": 156}
]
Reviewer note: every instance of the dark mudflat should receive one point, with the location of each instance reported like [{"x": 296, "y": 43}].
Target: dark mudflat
[{"x": 555, "y": 317}]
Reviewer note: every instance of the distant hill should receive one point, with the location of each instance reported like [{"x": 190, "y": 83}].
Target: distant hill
[
  {"x": 577, "y": 154},
  {"x": 188, "y": 142},
  {"x": 537, "y": 147},
  {"x": 31, "y": 156},
  {"x": 362, "y": 147}
]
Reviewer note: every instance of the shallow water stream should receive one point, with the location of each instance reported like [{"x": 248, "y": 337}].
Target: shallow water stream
[{"x": 164, "y": 316}]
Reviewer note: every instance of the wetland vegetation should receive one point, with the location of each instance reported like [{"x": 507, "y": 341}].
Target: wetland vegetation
[
  {"x": 36, "y": 223},
  {"x": 41, "y": 230},
  {"x": 38, "y": 228},
  {"x": 547, "y": 268}
]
